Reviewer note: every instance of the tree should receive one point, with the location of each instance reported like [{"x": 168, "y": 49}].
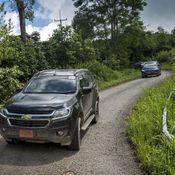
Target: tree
[
  {"x": 66, "y": 48},
  {"x": 83, "y": 23},
  {"x": 109, "y": 17},
  {"x": 25, "y": 11},
  {"x": 163, "y": 39},
  {"x": 105, "y": 21}
]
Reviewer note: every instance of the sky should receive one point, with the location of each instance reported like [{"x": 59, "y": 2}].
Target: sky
[
  {"x": 156, "y": 13},
  {"x": 159, "y": 13}
]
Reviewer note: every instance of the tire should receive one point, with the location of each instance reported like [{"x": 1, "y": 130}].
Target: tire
[
  {"x": 76, "y": 141},
  {"x": 96, "y": 113},
  {"x": 143, "y": 76}
]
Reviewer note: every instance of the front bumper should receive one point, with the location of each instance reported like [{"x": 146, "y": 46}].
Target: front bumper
[
  {"x": 57, "y": 131},
  {"x": 152, "y": 73}
]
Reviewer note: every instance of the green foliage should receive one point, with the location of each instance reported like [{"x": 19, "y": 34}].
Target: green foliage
[
  {"x": 66, "y": 48},
  {"x": 29, "y": 57},
  {"x": 9, "y": 82},
  {"x": 107, "y": 21},
  {"x": 83, "y": 23},
  {"x": 35, "y": 36},
  {"x": 155, "y": 152},
  {"x": 100, "y": 71},
  {"x": 166, "y": 56},
  {"x": 106, "y": 16},
  {"x": 106, "y": 77}
]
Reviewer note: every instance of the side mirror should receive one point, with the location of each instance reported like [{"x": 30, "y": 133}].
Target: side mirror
[{"x": 87, "y": 90}]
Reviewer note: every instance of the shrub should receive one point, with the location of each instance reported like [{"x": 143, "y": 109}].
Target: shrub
[
  {"x": 100, "y": 71},
  {"x": 166, "y": 56},
  {"x": 9, "y": 82},
  {"x": 28, "y": 57},
  {"x": 66, "y": 48},
  {"x": 106, "y": 76}
]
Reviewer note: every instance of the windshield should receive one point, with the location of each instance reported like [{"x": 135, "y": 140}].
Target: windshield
[
  {"x": 150, "y": 67},
  {"x": 52, "y": 84}
]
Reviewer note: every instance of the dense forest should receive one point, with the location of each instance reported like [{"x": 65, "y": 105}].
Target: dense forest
[{"x": 106, "y": 37}]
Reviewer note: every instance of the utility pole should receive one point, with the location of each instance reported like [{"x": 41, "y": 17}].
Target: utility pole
[{"x": 60, "y": 20}]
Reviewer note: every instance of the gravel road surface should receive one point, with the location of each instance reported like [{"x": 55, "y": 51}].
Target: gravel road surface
[{"x": 104, "y": 150}]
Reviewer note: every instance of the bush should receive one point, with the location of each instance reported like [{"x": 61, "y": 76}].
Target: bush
[
  {"x": 28, "y": 57},
  {"x": 166, "y": 56},
  {"x": 106, "y": 76},
  {"x": 100, "y": 71},
  {"x": 66, "y": 48},
  {"x": 9, "y": 82}
]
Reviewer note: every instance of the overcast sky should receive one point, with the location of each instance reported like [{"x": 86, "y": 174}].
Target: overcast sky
[
  {"x": 159, "y": 13},
  {"x": 156, "y": 13}
]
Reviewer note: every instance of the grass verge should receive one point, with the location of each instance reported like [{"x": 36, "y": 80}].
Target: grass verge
[
  {"x": 124, "y": 76},
  {"x": 155, "y": 152}
]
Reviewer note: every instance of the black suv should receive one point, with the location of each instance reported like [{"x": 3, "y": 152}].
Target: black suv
[{"x": 54, "y": 107}]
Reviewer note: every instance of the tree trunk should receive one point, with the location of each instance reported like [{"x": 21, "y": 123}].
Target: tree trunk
[{"x": 21, "y": 11}]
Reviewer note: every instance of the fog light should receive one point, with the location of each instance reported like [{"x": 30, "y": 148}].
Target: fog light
[{"x": 60, "y": 133}]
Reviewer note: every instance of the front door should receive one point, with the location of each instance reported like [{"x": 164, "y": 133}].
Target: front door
[{"x": 86, "y": 97}]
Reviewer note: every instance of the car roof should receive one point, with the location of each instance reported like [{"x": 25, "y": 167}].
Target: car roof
[{"x": 66, "y": 72}]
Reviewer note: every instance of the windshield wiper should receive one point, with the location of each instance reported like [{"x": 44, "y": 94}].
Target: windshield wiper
[{"x": 68, "y": 92}]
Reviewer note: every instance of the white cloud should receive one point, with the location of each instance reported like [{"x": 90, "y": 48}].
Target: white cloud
[
  {"x": 14, "y": 20},
  {"x": 45, "y": 32},
  {"x": 48, "y": 10}
]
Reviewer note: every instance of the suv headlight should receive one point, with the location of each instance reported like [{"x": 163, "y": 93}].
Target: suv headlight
[{"x": 61, "y": 113}]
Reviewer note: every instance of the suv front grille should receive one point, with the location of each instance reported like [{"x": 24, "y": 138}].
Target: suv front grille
[
  {"x": 29, "y": 123},
  {"x": 39, "y": 111}
]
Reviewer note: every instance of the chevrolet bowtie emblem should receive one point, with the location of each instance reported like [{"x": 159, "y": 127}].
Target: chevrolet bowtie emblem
[{"x": 26, "y": 117}]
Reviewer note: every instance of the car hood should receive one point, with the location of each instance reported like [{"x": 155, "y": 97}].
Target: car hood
[{"x": 40, "y": 100}]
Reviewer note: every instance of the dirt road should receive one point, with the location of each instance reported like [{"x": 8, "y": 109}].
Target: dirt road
[{"x": 104, "y": 150}]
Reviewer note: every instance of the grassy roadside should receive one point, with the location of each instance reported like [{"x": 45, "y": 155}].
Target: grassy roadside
[
  {"x": 107, "y": 77},
  {"x": 155, "y": 152},
  {"x": 123, "y": 76}
]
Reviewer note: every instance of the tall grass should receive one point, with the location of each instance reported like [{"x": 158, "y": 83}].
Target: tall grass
[{"x": 155, "y": 152}]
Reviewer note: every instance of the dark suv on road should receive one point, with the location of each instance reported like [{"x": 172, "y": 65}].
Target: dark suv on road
[
  {"x": 151, "y": 70},
  {"x": 54, "y": 107}
]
